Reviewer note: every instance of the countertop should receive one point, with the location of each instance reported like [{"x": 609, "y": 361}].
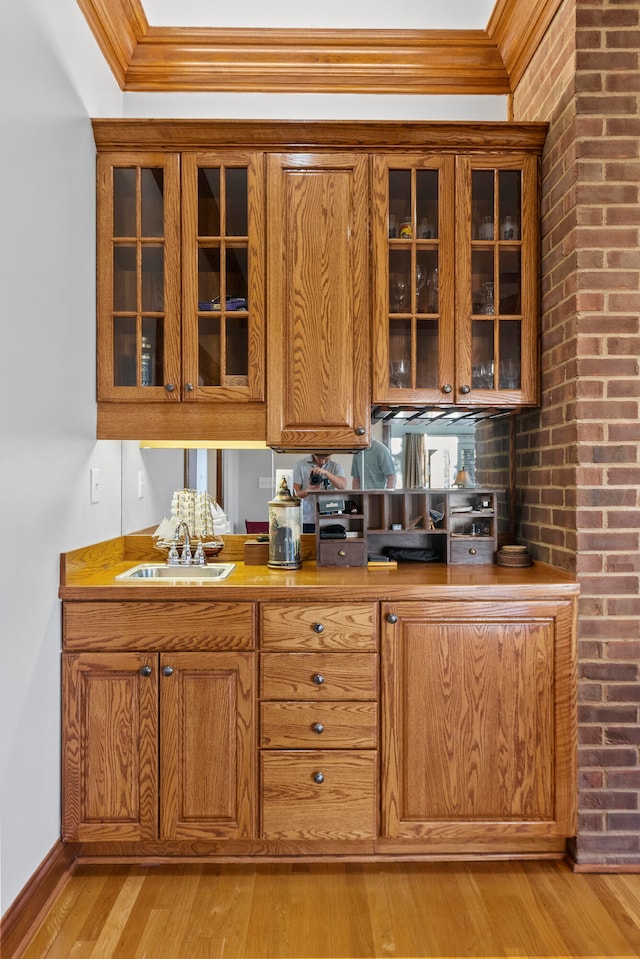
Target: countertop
[{"x": 90, "y": 574}]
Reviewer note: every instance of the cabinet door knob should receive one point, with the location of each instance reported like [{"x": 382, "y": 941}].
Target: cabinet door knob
[
  {"x": 447, "y": 388},
  {"x": 188, "y": 387},
  {"x": 465, "y": 388},
  {"x": 392, "y": 618},
  {"x": 318, "y": 679},
  {"x": 318, "y": 728},
  {"x": 167, "y": 670},
  {"x": 169, "y": 387},
  {"x": 318, "y": 777},
  {"x": 341, "y": 553},
  {"x": 318, "y": 628},
  {"x": 146, "y": 671},
  {"x": 472, "y": 551},
  {"x": 360, "y": 431}
]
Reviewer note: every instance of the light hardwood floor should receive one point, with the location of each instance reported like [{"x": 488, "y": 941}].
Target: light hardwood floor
[{"x": 344, "y": 910}]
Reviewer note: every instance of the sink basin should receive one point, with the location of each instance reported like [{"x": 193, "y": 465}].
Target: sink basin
[{"x": 151, "y": 571}]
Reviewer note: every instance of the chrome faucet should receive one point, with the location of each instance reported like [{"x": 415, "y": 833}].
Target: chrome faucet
[{"x": 175, "y": 559}]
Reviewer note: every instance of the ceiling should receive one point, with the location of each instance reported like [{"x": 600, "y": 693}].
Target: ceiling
[{"x": 330, "y": 14}]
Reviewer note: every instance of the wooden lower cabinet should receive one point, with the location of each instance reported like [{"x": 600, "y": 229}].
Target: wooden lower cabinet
[
  {"x": 158, "y": 745},
  {"x": 478, "y": 730},
  {"x": 419, "y": 728}
]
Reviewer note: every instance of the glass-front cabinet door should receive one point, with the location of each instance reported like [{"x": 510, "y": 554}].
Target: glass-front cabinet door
[
  {"x": 138, "y": 275},
  {"x": 413, "y": 232},
  {"x": 455, "y": 245},
  {"x": 223, "y": 309},
  {"x": 181, "y": 267},
  {"x": 496, "y": 280}
]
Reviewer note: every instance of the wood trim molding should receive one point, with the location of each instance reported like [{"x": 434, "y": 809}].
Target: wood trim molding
[
  {"x": 19, "y": 922},
  {"x": 165, "y": 59},
  {"x": 517, "y": 29},
  {"x": 386, "y": 136},
  {"x": 317, "y": 61}
]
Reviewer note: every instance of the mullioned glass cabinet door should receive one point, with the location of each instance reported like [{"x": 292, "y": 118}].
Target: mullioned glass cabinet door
[
  {"x": 497, "y": 280},
  {"x": 223, "y": 276},
  {"x": 413, "y": 283},
  {"x": 138, "y": 276}
]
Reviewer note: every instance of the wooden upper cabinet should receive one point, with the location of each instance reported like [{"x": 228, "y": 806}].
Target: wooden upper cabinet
[
  {"x": 455, "y": 279},
  {"x": 138, "y": 210},
  {"x": 223, "y": 276},
  {"x": 181, "y": 295},
  {"x": 497, "y": 279},
  {"x": 318, "y": 301}
]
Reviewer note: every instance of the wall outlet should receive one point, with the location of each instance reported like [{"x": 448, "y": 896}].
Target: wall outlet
[
  {"x": 94, "y": 485},
  {"x": 265, "y": 482}
]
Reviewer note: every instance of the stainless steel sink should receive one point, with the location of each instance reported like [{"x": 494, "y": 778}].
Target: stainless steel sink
[{"x": 151, "y": 571}]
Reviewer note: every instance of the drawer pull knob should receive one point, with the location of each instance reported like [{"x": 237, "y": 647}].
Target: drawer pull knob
[
  {"x": 360, "y": 431},
  {"x": 318, "y": 777},
  {"x": 318, "y": 628},
  {"x": 392, "y": 618},
  {"x": 167, "y": 670},
  {"x": 318, "y": 728},
  {"x": 169, "y": 387},
  {"x": 318, "y": 679},
  {"x": 146, "y": 671},
  {"x": 465, "y": 388},
  {"x": 472, "y": 551},
  {"x": 447, "y": 388},
  {"x": 341, "y": 553}
]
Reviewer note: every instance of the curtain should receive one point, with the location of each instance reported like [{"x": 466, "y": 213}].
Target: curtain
[{"x": 414, "y": 460}]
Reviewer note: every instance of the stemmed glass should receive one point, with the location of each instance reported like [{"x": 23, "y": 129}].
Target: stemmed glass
[
  {"x": 421, "y": 279},
  {"x": 399, "y": 370},
  {"x": 398, "y": 287}
]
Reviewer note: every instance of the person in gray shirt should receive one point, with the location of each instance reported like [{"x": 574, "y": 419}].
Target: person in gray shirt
[
  {"x": 315, "y": 473},
  {"x": 379, "y": 471}
]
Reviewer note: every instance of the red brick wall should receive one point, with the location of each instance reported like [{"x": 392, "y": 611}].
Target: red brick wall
[{"x": 577, "y": 458}]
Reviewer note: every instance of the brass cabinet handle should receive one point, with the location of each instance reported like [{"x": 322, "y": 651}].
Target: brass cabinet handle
[
  {"x": 341, "y": 552},
  {"x": 472, "y": 551}
]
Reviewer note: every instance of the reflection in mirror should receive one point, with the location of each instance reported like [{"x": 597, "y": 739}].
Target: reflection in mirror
[{"x": 420, "y": 455}]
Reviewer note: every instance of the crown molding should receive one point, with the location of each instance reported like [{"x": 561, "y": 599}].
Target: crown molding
[{"x": 169, "y": 59}]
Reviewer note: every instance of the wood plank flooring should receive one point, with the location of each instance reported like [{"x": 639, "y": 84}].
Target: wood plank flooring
[{"x": 340, "y": 911}]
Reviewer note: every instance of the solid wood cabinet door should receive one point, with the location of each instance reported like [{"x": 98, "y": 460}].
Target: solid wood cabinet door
[
  {"x": 478, "y": 721},
  {"x": 318, "y": 301},
  {"x": 207, "y": 745},
  {"x": 110, "y": 746}
]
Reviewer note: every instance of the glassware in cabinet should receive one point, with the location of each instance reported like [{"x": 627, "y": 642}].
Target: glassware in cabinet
[
  {"x": 496, "y": 268},
  {"x": 138, "y": 266},
  {"x": 413, "y": 277}
]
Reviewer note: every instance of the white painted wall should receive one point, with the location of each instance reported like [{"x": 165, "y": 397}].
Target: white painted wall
[{"x": 52, "y": 81}]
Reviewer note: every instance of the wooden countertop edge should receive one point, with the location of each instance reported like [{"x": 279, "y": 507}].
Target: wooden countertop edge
[{"x": 89, "y": 574}]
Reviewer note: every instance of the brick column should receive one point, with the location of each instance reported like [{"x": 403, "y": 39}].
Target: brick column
[{"x": 578, "y": 457}]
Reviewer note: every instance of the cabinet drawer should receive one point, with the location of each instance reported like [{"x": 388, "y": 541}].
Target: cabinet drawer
[
  {"x": 472, "y": 551},
  {"x": 316, "y": 794},
  {"x": 325, "y": 725},
  {"x": 158, "y": 626},
  {"x": 339, "y": 626},
  {"x": 318, "y": 676},
  {"x": 341, "y": 552}
]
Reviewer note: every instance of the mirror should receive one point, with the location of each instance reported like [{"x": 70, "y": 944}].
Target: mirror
[{"x": 244, "y": 480}]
